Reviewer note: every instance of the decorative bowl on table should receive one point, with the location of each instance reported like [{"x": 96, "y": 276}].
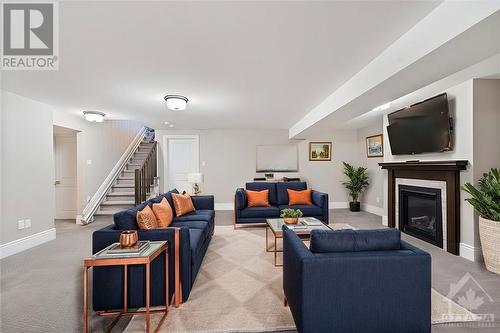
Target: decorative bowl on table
[
  {"x": 291, "y": 220},
  {"x": 128, "y": 238}
]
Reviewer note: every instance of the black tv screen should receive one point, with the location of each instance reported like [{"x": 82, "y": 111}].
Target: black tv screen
[{"x": 424, "y": 127}]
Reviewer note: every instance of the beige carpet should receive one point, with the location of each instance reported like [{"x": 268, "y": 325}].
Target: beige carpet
[{"x": 238, "y": 289}]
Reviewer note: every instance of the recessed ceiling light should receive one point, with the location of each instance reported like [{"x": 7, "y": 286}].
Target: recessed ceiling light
[
  {"x": 176, "y": 102},
  {"x": 171, "y": 125},
  {"x": 94, "y": 116},
  {"x": 166, "y": 123}
]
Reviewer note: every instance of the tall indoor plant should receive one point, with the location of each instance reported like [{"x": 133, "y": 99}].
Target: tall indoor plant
[
  {"x": 485, "y": 198},
  {"x": 358, "y": 181}
]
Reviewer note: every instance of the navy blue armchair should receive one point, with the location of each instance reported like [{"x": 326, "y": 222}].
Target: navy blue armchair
[
  {"x": 278, "y": 200},
  {"x": 357, "y": 281}
]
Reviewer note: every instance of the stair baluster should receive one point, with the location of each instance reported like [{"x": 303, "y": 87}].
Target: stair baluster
[{"x": 145, "y": 175}]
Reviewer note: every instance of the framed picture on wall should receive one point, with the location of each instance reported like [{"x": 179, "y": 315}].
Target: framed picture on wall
[
  {"x": 375, "y": 146},
  {"x": 320, "y": 151}
]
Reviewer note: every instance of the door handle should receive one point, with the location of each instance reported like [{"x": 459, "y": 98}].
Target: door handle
[{"x": 57, "y": 182}]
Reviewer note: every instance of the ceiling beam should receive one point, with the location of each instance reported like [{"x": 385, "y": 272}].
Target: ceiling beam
[{"x": 444, "y": 23}]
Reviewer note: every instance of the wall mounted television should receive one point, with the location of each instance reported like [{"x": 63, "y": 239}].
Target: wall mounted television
[{"x": 424, "y": 127}]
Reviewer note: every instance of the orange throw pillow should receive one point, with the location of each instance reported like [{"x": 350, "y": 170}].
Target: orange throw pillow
[
  {"x": 183, "y": 204},
  {"x": 299, "y": 197},
  {"x": 163, "y": 213},
  {"x": 146, "y": 219},
  {"x": 258, "y": 198}
]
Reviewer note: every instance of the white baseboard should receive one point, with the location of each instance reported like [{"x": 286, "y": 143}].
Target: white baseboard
[
  {"x": 470, "y": 252},
  {"x": 224, "y": 206},
  {"x": 372, "y": 209},
  {"x": 28, "y": 242}
]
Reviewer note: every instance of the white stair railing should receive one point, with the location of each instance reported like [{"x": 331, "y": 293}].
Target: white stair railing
[{"x": 94, "y": 203}]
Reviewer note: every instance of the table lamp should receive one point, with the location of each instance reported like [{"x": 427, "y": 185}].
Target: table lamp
[{"x": 195, "y": 178}]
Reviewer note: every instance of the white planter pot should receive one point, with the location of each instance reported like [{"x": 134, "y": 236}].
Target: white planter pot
[{"x": 489, "y": 233}]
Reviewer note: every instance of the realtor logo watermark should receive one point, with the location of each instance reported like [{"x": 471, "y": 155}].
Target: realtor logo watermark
[
  {"x": 30, "y": 36},
  {"x": 466, "y": 301}
]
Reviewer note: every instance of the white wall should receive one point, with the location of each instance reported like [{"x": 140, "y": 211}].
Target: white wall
[
  {"x": 100, "y": 143},
  {"x": 373, "y": 198},
  {"x": 461, "y": 108},
  {"x": 27, "y": 190},
  {"x": 230, "y": 159},
  {"x": 486, "y": 126}
]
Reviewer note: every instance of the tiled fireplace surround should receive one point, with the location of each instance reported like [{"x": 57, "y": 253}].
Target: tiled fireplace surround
[{"x": 443, "y": 175}]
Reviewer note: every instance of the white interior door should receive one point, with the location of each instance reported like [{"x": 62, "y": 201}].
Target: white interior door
[
  {"x": 65, "y": 176},
  {"x": 182, "y": 158}
]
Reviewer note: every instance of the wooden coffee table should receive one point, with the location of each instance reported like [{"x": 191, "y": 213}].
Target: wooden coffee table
[{"x": 303, "y": 229}]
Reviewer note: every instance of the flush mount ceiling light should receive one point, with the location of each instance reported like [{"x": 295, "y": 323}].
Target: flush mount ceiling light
[
  {"x": 94, "y": 116},
  {"x": 176, "y": 102}
]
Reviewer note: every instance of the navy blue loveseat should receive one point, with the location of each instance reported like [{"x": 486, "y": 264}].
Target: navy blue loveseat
[
  {"x": 278, "y": 200},
  {"x": 357, "y": 281},
  {"x": 194, "y": 232}
]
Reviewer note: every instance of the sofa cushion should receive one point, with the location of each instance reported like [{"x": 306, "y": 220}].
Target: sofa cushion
[
  {"x": 303, "y": 197},
  {"x": 197, "y": 215},
  {"x": 126, "y": 219},
  {"x": 168, "y": 195},
  {"x": 196, "y": 239},
  {"x": 146, "y": 219},
  {"x": 259, "y": 186},
  {"x": 163, "y": 213},
  {"x": 200, "y": 225},
  {"x": 258, "y": 198},
  {"x": 307, "y": 210},
  {"x": 355, "y": 240},
  {"x": 260, "y": 212},
  {"x": 183, "y": 204},
  {"x": 282, "y": 193}
]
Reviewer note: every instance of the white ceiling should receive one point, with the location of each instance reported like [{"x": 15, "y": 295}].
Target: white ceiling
[{"x": 241, "y": 64}]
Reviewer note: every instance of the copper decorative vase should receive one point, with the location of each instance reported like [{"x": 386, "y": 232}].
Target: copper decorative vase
[
  {"x": 128, "y": 238},
  {"x": 291, "y": 220}
]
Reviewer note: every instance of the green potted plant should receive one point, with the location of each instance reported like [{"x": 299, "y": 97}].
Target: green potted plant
[
  {"x": 358, "y": 181},
  {"x": 485, "y": 198},
  {"x": 291, "y": 216}
]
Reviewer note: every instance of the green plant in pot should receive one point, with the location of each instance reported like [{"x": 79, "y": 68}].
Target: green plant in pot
[
  {"x": 358, "y": 181},
  {"x": 291, "y": 216},
  {"x": 485, "y": 198}
]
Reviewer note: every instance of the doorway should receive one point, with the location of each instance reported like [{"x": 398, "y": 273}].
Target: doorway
[
  {"x": 181, "y": 155},
  {"x": 65, "y": 173}
]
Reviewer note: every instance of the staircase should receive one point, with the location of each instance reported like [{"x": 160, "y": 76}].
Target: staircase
[{"x": 122, "y": 193}]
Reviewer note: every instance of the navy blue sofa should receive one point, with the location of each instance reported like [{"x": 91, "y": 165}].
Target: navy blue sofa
[
  {"x": 193, "y": 231},
  {"x": 357, "y": 281},
  {"x": 278, "y": 200}
]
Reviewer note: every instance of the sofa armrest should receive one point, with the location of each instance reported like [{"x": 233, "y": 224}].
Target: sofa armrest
[
  {"x": 320, "y": 199},
  {"x": 240, "y": 199},
  {"x": 203, "y": 202},
  {"x": 294, "y": 254}
]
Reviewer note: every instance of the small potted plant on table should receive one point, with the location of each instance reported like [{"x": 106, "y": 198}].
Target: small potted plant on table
[
  {"x": 486, "y": 201},
  {"x": 358, "y": 181},
  {"x": 291, "y": 216}
]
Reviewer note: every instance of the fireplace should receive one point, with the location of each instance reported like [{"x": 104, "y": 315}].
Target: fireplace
[
  {"x": 420, "y": 213},
  {"x": 423, "y": 219}
]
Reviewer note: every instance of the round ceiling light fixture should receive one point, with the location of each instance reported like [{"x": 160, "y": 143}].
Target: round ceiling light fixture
[
  {"x": 176, "y": 102},
  {"x": 94, "y": 116}
]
